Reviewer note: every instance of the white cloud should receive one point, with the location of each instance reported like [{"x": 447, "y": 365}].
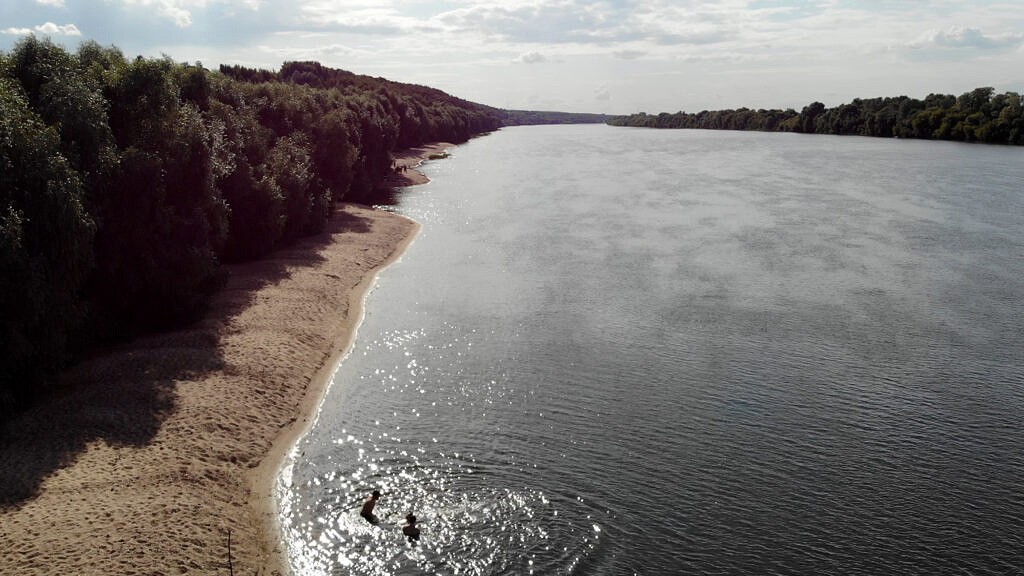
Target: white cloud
[
  {"x": 532, "y": 58},
  {"x": 65, "y": 30},
  {"x": 663, "y": 54},
  {"x": 177, "y": 11},
  {"x": 180, "y": 16},
  {"x": 962, "y": 37},
  {"x": 544, "y": 22},
  {"x": 358, "y": 16},
  {"x": 49, "y": 29},
  {"x": 629, "y": 54},
  {"x": 686, "y": 25},
  {"x": 180, "y": 12},
  {"x": 311, "y": 52}
]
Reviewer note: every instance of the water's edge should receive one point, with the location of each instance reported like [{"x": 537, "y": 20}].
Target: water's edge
[
  {"x": 269, "y": 477},
  {"x": 802, "y": 362}
]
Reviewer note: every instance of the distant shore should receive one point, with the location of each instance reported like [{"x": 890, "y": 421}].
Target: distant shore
[{"x": 158, "y": 453}]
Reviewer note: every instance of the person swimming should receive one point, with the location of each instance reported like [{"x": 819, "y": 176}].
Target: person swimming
[
  {"x": 368, "y": 506},
  {"x": 411, "y": 531}
]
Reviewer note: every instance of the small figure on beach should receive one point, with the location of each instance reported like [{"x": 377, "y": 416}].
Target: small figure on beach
[
  {"x": 411, "y": 531},
  {"x": 368, "y": 506}
]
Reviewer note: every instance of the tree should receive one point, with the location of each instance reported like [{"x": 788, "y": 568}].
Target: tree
[
  {"x": 163, "y": 221},
  {"x": 979, "y": 115},
  {"x": 67, "y": 99},
  {"x": 255, "y": 203},
  {"x": 336, "y": 147},
  {"x": 124, "y": 182},
  {"x": 976, "y": 100},
  {"x": 45, "y": 249},
  {"x": 291, "y": 168},
  {"x": 809, "y": 116}
]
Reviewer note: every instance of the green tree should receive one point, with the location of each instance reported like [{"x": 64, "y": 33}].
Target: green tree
[
  {"x": 291, "y": 168},
  {"x": 336, "y": 148},
  {"x": 45, "y": 249},
  {"x": 809, "y": 116},
  {"x": 68, "y": 99},
  {"x": 976, "y": 100},
  {"x": 256, "y": 206},
  {"x": 163, "y": 221}
]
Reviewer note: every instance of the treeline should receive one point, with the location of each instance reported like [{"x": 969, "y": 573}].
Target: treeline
[
  {"x": 980, "y": 115},
  {"x": 536, "y": 117},
  {"x": 419, "y": 113},
  {"x": 126, "y": 183}
]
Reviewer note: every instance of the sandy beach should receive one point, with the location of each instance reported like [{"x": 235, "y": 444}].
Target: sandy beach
[{"x": 156, "y": 453}]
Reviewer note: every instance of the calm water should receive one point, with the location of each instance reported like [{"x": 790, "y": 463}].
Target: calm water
[{"x": 617, "y": 351}]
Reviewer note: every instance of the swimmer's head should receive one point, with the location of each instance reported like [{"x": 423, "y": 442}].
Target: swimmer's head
[
  {"x": 376, "y": 494},
  {"x": 411, "y": 519}
]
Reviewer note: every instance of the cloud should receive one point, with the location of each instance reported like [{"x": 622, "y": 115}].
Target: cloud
[
  {"x": 54, "y": 3},
  {"x": 177, "y": 11},
  {"x": 49, "y": 29},
  {"x": 180, "y": 16},
  {"x": 312, "y": 52},
  {"x": 181, "y": 12},
  {"x": 960, "y": 37},
  {"x": 602, "y": 93},
  {"x": 606, "y": 24},
  {"x": 958, "y": 43},
  {"x": 349, "y": 16},
  {"x": 705, "y": 36},
  {"x": 65, "y": 30},
  {"x": 629, "y": 54},
  {"x": 532, "y": 58},
  {"x": 787, "y": 11},
  {"x": 547, "y": 21}
]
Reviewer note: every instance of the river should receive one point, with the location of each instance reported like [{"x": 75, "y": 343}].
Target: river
[{"x": 628, "y": 351}]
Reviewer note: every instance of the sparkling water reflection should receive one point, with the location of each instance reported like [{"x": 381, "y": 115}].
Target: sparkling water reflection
[
  {"x": 470, "y": 523},
  {"x": 733, "y": 353}
]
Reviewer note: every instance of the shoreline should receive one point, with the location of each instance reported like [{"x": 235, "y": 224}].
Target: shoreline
[
  {"x": 159, "y": 452},
  {"x": 263, "y": 498}
]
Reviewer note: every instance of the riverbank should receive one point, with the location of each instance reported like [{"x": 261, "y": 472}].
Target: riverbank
[{"x": 159, "y": 457}]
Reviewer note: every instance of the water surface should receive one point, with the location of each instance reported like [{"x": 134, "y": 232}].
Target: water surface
[{"x": 618, "y": 351}]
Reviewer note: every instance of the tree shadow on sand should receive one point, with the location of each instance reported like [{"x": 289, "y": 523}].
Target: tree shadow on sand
[
  {"x": 122, "y": 396},
  {"x": 344, "y": 220}
]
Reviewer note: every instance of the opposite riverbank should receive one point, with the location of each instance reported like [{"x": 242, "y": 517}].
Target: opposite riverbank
[{"x": 159, "y": 457}]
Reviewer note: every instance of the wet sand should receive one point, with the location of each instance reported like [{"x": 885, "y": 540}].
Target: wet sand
[{"x": 156, "y": 454}]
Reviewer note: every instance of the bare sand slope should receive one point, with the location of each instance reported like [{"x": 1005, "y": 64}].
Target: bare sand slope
[{"x": 156, "y": 450}]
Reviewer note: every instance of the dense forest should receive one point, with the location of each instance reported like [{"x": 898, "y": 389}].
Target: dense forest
[
  {"x": 535, "y": 117},
  {"x": 126, "y": 183},
  {"x": 980, "y": 115}
]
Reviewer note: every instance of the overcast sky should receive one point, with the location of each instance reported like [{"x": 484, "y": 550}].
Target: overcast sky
[{"x": 616, "y": 56}]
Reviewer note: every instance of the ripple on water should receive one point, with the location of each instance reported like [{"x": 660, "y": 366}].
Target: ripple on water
[
  {"x": 756, "y": 364},
  {"x": 468, "y": 526}
]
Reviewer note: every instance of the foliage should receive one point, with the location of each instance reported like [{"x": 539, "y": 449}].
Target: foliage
[
  {"x": 533, "y": 117},
  {"x": 45, "y": 247},
  {"x": 976, "y": 116},
  {"x": 162, "y": 219},
  {"x": 126, "y": 183},
  {"x": 290, "y": 165}
]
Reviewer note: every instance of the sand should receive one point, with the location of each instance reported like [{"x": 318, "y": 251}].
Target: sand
[
  {"x": 155, "y": 452},
  {"x": 410, "y": 159}
]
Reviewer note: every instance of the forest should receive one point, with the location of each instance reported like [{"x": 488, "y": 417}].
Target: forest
[
  {"x": 980, "y": 115},
  {"x": 126, "y": 184},
  {"x": 535, "y": 117}
]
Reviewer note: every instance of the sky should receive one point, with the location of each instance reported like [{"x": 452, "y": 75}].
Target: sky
[{"x": 614, "y": 57}]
